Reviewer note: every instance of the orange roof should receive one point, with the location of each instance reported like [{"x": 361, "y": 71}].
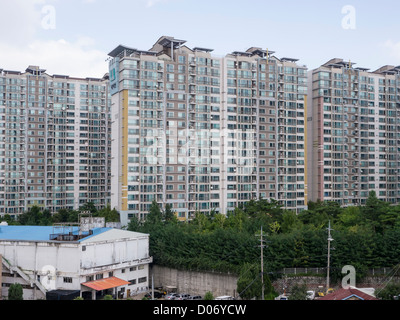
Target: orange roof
[{"x": 106, "y": 283}]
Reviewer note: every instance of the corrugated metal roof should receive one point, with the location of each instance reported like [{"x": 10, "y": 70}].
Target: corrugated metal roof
[
  {"x": 35, "y": 233},
  {"x": 107, "y": 283},
  {"x": 347, "y": 294},
  {"x": 113, "y": 234}
]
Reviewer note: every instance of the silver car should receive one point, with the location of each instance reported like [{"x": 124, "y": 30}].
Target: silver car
[
  {"x": 171, "y": 296},
  {"x": 182, "y": 296},
  {"x": 195, "y": 298}
]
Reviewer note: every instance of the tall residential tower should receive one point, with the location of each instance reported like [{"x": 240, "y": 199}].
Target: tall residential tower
[
  {"x": 54, "y": 141},
  {"x": 356, "y": 133},
  {"x": 203, "y": 132}
]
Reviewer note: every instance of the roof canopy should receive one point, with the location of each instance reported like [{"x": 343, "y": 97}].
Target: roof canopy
[{"x": 107, "y": 283}]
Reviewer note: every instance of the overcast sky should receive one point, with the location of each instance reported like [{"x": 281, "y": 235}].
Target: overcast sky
[{"x": 74, "y": 37}]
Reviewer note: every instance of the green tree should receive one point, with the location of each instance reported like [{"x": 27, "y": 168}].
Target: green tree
[
  {"x": 350, "y": 217},
  {"x": 110, "y": 215},
  {"x": 62, "y": 215},
  {"x": 201, "y": 222},
  {"x": 249, "y": 284},
  {"x": 389, "y": 292},
  {"x": 298, "y": 292},
  {"x": 373, "y": 210},
  {"x": 15, "y": 292},
  {"x": 290, "y": 221},
  {"x": 154, "y": 218},
  {"x": 208, "y": 296},
  {"x": 237, "y": 220},
  {"x": 89, "y": 206},
  {"x": 169, "y": 214},
  {"x": 35, "y": 216},
  {"x": 134, "y": 224}
]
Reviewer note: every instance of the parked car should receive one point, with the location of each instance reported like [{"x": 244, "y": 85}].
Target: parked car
[
  {"x": 170, "y": 296},
  {"x": 181, "y": 296},
  {"x": 310, "y": 295},
  {"x": 157, "y": 295},
  {"x": 194, "y": 298}
]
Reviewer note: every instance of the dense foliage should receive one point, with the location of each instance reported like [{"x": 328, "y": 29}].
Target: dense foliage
[
  {"x": 364, "y": 236},
  {"x": 37, "y": 216}
]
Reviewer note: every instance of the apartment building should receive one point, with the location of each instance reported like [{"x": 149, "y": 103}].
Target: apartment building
[
  {"x": 355, "y": 139},
  {"x": 54, "y": 141},
  {"x": 203, "y": 132}
]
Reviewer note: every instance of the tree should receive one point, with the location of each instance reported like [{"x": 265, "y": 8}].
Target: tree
[
  {"x": 350, "y": 216},
  {"x": 373, "y": 210},
  {"x": 208, "y": 296},
  {"x": 89, "y": 206},
  {"x": 169, "y": 214},
  {"x": 389, "y": 292},
  {"x": 134, "y": 224},
  {"x": 154, "y": 217},
  {"x": 290, "y": 221},
  {"x": 15, "y": 292},
  {"x": 35, "y": 216},
  {"x": 62, "y": 215},
  {"x": 298, "y": 292},
  {"x": 110, "y": 215},
  {"x": 249, "y": 283}
]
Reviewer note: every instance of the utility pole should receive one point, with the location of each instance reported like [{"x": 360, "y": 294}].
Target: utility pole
[
  {"x": 262, "y": 262},
  {"x": 330, "y": 239}
]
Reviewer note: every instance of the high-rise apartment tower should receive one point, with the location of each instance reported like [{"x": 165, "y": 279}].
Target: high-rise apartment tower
[
  {"x": 355, "y": 140},
  {"x": 203, "y": 132},
  {"x": 54, "y": 141}
]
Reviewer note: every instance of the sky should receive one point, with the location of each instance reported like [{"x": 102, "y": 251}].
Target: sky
[{"x": 74, "y": 37}]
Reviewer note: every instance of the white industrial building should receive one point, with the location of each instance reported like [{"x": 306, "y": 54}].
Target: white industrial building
[{"x": 66, "y": 261}]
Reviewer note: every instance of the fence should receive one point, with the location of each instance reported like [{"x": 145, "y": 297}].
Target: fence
[{"x": 322, "y": 271}]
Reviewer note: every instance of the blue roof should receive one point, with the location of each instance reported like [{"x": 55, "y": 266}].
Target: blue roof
[{"x": 36, "y": 233}]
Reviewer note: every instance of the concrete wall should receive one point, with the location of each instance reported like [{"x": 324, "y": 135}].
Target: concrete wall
[{"x": 195, "y": 283}]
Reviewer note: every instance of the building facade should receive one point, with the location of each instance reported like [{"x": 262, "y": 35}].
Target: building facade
[
  {"x": 87, "y": 261},
  {"x": 354, "y": 145},
  {"x": 202, "y": 132},
  {"x": 54, "y": 141}
]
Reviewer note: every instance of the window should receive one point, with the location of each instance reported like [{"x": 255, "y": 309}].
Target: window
[
  {"x": 67, "y": 280},
  {"x": 141, "y": 280}
]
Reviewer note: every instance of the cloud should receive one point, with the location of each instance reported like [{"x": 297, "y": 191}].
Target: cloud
[
  {"x": 20, "y": 19},
  {"x": 77, "y": 59},
  {"x": 152, "y": 3},
  {"x": 393, "y": 48}
]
